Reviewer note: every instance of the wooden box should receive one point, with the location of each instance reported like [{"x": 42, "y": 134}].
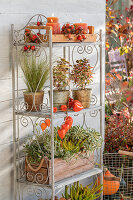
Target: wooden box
[
  {"x": 60, "y": 38},
  {"x": 62, "y": 169}
]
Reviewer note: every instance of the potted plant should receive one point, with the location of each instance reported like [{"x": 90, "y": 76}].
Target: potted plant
[
  {"x": 81, "y": 75},
  {"x": 36, "y": 74},
  {"x": 72, "y": 155},
  {"x": 61, "y": 81}
]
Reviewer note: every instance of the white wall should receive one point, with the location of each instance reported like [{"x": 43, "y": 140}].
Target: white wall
[{"x": 18, "y": 12}]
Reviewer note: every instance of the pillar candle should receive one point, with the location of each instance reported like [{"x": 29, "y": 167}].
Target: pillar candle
[
  {"x": 53, "y": 22},
  {"x": 83, "y": 25},
  {"x": 55, "y": 27},
  {"x": 52, "y": 19}
]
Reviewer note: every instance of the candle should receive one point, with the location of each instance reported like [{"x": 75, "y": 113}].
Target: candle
[
  {"x": 53, "y": 22},
  {"x": 83, "y": 25},
  {"x": 52, "y": 19}
]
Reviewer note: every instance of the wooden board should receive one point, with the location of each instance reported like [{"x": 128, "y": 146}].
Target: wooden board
[{"x": 62, "y": 169}]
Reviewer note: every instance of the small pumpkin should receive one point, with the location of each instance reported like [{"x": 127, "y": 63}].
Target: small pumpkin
[{"x": 110, "y": 187}]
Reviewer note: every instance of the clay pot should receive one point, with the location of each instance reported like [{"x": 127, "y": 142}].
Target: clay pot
[
  {"x": 84, "y": 96},
  {"x": 33, "y": 100},
  {"x": 60, "y": 97}
]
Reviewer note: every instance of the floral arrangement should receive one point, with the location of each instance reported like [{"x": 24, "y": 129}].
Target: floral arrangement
[
  {"x": 68, "y": 29},
  {"x": 82, "y": 73},
  {"x": 77, "y": 140},
  {"x": 61, "y": 74}
]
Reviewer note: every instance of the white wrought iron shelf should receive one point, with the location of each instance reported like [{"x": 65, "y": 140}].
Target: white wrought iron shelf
[
  {"x": 59, "y": 44},
  {"x": 67, "y": 181},
  {"x": 60, "y": 114}
]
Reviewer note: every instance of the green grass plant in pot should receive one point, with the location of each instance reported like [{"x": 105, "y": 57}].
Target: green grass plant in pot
[
  {"x": 81, "y": 76},
  {"x": 36, "y": 72},
  {"x": 60, "y": 82}
]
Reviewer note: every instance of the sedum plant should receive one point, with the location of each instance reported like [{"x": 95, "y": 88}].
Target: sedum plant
[
  {"x": 82, "y": 73},
  {"x": 79, "y": 192},
  {"x": 61, "y": 74},
  {"x": 77, "y": 141},
  {"x": 36, "y": 73}
]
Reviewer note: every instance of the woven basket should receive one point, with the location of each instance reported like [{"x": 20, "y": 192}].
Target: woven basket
[{"x": 84, "y": 96}]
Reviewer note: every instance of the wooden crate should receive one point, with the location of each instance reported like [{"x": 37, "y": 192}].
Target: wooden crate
[
  {"x": 62, "y": 169},
  {"x": 59, "y": 38}
]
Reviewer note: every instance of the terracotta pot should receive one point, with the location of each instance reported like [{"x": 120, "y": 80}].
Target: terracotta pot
[
  {"x": 33, "y": 101},
  {"x": 60, "y": 97},
  {"x": 84, "y": 96}
]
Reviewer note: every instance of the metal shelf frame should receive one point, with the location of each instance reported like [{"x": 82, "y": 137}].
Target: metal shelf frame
[{"x": 49, "y": 112}]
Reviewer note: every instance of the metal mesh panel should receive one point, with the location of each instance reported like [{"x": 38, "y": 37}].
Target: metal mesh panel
[{"x": 120, "y": 166}]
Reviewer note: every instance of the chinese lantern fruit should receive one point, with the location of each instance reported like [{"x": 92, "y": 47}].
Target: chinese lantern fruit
[
  {"x": 63, "y": 107},
  {"x": 77, "y": 106},
  {"x": 47, "y": 121},
  {"x": 61, "y": 133},
  {"x": 43, "y": 126},
  {"x": 65, "y": 126},
  {"x": 54, "y": 109},
  {"x": 68, "y": 118},
  {"x": 25, "y": 48},
  {"x": 68, "y": 123}
]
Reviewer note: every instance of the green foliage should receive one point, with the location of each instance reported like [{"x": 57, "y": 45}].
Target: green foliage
[
  {"x": 35, "y": 72},
  {"x": 78, "y": 192},
  {"x": 77, "y": 140}
]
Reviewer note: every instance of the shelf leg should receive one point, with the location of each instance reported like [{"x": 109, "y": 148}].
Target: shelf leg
[
  {"x": 14, "y": 117},
  {"x": 51, "y": 105}
]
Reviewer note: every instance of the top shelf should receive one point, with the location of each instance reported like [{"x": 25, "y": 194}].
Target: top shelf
[{"x": 59, "y": 44}]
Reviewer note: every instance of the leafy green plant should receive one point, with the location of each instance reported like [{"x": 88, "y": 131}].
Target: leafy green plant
[
  {"x": 77, "y": 141},
  {"x": 82, "y": 73},
  {"x": 35, "y": 72},
  {"x": 60, "y": 74},
  {"x": 78, "y": 192}
]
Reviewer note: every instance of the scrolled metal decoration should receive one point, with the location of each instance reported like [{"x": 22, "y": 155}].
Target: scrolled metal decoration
[
  {"x": 93, "y": 113},
  {"x": 90, "y": 49},
  {"x": 24, "y": 121},
  {"x": 93, "y": 100}
]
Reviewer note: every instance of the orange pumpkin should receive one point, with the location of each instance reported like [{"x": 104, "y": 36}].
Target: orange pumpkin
[{"x": 110, "y": 187}]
